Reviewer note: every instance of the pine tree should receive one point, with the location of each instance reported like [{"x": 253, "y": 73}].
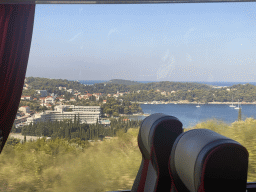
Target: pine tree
[
  {"x": 239, "y": 115},
  {"x": 75, "y": 120}
]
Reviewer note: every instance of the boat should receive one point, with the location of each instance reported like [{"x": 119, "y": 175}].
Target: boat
[
  {"x": 238, "y": 107},
  {"x": 232, "y": 103},
  {"x": 198, "y": 105}
]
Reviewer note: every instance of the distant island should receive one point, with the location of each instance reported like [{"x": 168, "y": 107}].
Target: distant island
[{"x": 122, "y": 82}]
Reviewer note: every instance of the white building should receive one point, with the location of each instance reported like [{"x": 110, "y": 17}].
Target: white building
[
  {"x": 24, "y": 109},
  {"x": 26, "y": 98},
  {"x": 70, "y": 91},
  {"x": 87, "y": 114},
  {"x": 49, "y": 99}
]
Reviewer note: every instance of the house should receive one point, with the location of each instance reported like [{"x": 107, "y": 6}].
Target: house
[
  {"x": 163, "y": 93},
  {"x": 97, "y": 94},
  {"x": 42, "y": 99},
  {"x": 83, "y": 97},
  {"x": 72, "y": 99},
  {"x": 49, "y": 99},
  {"x": 104, "y": 101},
  {"x": 76, "y": 94},
  {"x": 60, "y": 98},
  {"x": 48, "y": 105},
  {"x": 70, "y": 91},
  {"x": 26, "y": 98},
  {"x": 25, "y": 109}
]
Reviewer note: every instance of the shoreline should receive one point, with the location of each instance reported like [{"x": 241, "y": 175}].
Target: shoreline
[{"x": 195, "y": 103}]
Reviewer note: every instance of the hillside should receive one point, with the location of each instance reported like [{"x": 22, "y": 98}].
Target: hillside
[{"x": 122, "y": 82}]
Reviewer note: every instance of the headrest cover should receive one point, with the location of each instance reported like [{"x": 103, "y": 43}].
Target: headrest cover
[
  {"x": 147, "y": 130},
  {"x": 190, "y": 151}
]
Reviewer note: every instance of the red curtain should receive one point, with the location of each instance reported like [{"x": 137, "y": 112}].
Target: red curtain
[{"x": 16, "y": 26}]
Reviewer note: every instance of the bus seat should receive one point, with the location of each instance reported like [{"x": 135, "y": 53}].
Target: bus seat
[
  {"x": 155, "y": 139},
  {"x": 203, "y": 160}
]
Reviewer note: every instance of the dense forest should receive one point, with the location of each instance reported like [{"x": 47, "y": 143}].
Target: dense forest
[
  {"x": 246, "y": 93},
  {"x": 51, "y": 85},
  {"x": 69, "y": 129},
  {"x": 115, "y": 107}
]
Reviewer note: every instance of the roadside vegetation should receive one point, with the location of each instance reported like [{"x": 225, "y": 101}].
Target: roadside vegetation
[
  {"x": 69, "y": 129},
  {"x": 74, "y": 165}
]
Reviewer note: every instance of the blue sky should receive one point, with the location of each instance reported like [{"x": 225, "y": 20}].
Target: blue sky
[{"x": 145, "y": 42}]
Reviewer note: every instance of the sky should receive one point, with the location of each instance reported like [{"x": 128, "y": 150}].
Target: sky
[{"x": 145, "y": 42}]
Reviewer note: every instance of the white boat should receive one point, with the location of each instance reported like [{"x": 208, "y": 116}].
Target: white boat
[
  {"x": 198, "y": 105},
  {"x": 232, "y": 103},
  {"x": 238, "y": 107}
]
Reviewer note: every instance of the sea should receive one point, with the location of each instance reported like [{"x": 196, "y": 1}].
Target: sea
[{"x": 190, "y": 115}]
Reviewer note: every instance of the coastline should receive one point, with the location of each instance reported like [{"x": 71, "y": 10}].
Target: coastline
[{"x": 195, "y": 103}]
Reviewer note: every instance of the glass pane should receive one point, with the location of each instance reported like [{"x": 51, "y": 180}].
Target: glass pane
[{"x": 192, "y": 61}]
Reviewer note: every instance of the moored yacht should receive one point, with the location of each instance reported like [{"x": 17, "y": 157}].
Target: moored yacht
[
  {"x": 232, "y": 103},
  {"x": 238, "y": 107}
]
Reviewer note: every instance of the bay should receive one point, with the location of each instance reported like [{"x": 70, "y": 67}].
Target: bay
[{"x": 190, "y": 115}]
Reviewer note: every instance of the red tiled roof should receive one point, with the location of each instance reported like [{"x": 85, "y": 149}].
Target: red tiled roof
[{"x": 24, "y": 106}]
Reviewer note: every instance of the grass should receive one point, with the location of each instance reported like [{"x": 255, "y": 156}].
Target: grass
[{"x": 110, "y": 165}]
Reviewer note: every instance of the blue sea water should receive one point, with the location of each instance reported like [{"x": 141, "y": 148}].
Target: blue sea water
[{"x": 190, "y": 115}]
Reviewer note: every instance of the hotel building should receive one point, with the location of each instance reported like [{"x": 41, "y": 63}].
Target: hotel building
[{"x": 87, "y": 114}]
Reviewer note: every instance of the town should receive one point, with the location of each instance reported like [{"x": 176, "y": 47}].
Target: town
[
  {"x": 43, "y": 106},
  {"x": 56, "y": 99}
]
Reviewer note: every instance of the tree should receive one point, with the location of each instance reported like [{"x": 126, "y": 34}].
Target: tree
[
  {"x": 25, "y": 139},
  {"x": 115, "y": 114},
  {"x": 239, "y": 115}
]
